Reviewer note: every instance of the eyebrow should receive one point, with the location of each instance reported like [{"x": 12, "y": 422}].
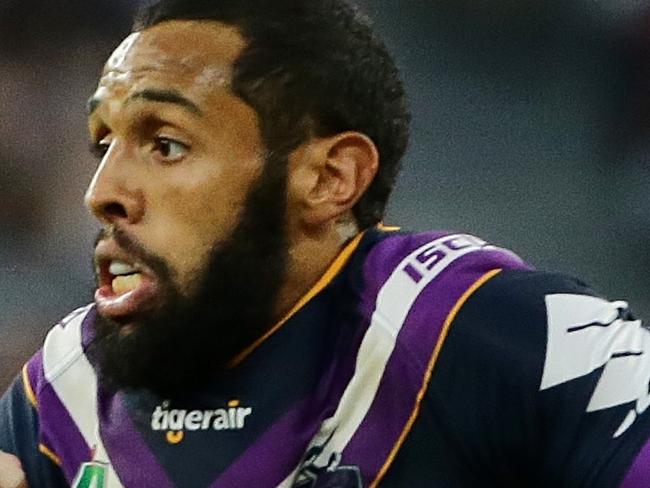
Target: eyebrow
[{"x": 153, "y": 95}]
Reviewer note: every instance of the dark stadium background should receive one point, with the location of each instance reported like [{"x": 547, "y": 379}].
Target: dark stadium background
[{"x": 530, "y": 129}]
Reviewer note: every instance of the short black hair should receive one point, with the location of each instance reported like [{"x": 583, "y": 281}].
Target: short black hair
[{"x": 311, "y": 67}]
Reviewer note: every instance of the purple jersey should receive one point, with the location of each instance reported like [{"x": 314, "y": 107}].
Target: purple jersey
[{"x": 419, "y": 360}]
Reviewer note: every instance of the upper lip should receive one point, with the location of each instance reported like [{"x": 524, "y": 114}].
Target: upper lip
[{"x": 108, "y": 251}]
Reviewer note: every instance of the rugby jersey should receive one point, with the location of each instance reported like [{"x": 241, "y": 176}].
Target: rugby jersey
[{"x": 418, "y": 360}]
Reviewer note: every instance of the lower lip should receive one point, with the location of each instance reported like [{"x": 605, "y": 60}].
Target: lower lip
[{"x": 114, "y": 306}]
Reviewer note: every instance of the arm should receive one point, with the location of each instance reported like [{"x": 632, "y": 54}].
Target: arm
[{"x": 19, "y": 436}]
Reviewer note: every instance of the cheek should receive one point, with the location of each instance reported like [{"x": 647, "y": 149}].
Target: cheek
[{"x": 188, "y": 220}]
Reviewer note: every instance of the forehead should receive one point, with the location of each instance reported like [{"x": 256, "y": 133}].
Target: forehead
[{"x": 186, "y": 55}]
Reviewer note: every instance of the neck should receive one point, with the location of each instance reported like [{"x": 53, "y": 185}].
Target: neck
[{"x": 310, "y": 255}]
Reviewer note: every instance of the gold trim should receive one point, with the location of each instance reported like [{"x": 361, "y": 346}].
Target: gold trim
[
  {"x": 49, "y": 454},
  {"x": 388, "y": 228},
  {"x": 334, "y": 269},
  {"x": 29, "y": 392},
  {"x": 427, "y": 377}
]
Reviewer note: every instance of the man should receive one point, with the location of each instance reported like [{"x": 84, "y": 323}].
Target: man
[{"x": 255, "y": 326}]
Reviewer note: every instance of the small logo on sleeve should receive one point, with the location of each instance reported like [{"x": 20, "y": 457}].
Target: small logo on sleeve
[{"x": 176, "y": 422}]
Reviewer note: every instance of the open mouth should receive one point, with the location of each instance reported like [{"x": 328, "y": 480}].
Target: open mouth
[
  {"x": 124, "y": 288},
  {"x": 124, "y": 277}
]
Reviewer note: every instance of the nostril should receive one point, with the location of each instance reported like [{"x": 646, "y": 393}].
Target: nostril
[{"x": 115, "y": 210}]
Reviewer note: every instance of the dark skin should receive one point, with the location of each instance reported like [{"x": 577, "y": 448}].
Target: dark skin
[{"x": 179, "y": 155}]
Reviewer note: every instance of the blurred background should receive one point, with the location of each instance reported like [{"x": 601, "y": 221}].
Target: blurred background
[{"x": 531, "y": 129}]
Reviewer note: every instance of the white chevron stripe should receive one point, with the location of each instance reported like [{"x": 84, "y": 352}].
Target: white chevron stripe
[{"x": 74, "y": 380}]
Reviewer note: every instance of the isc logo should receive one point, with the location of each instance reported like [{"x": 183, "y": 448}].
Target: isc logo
[
  {"x": 91, "y": 475},
  {"x": 440, "y": 253}
]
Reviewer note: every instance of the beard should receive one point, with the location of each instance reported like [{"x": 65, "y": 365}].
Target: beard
[{"x": 191, "y": 340}]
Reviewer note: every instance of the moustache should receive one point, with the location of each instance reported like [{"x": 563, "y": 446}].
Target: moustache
[{"x": 135, "y": 249}]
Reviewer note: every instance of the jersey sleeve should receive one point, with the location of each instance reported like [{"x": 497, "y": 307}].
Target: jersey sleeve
[
  {"x": 19, "y": 435},
  {"x": 539, "y": 383}
]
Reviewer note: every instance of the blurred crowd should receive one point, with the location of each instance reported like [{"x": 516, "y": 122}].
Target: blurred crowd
[
  {"x": 531, "y": 128},
  {"x": 50, "y": 57}
]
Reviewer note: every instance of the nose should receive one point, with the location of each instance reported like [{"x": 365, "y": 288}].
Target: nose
[{"x": 113, "y": 196}]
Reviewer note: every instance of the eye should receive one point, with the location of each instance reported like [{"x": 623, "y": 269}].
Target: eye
[{"x": 170, "y": 149}]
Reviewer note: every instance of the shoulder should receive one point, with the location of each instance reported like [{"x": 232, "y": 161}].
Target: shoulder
[
  {"x": 504, "y": 326},
  {"x": 452, "y": 302},
  {"x": 535, "y": 376},
  {"x": 553, "y": 340},
  {"x": 530, "y": 288},
  {"x": 527, "y": 301},
  {"x": 422, "y": 256},
  {"x": 416, "y": 283},
  {"x": 546, "y": 315},
  {"x": 64, "y": 346},
  {"x": 62, "y": 385}
]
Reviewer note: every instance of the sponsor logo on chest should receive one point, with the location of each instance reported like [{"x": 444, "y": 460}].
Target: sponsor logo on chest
[{"x": 176, "y": 421}]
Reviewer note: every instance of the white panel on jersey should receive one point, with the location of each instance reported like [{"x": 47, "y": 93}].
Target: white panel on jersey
[
  {"x": 583, "y": 332},
  {"x": 394, "y": 302},
  {"x": 74, "y": 380},
  {"x": 586, "y": 333},
  {"x": 623, "y": 380}
]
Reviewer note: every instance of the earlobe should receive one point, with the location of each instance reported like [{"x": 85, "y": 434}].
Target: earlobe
[{"x": 344, "y": 166}]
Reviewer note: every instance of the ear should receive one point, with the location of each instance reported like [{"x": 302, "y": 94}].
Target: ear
[{"x": 329, "y": 175}]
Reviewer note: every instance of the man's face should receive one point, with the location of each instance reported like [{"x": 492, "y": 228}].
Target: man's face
[
  {"x": 180, "y": 153},
  {"x": 193, "y": 250}
]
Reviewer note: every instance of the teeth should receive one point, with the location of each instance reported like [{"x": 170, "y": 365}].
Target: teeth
[
  {"x": 118, "y": 268},
  {"x": 125, "y": 284}
]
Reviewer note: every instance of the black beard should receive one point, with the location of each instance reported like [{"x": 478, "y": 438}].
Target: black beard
[{"x": 190, "y": 341}]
